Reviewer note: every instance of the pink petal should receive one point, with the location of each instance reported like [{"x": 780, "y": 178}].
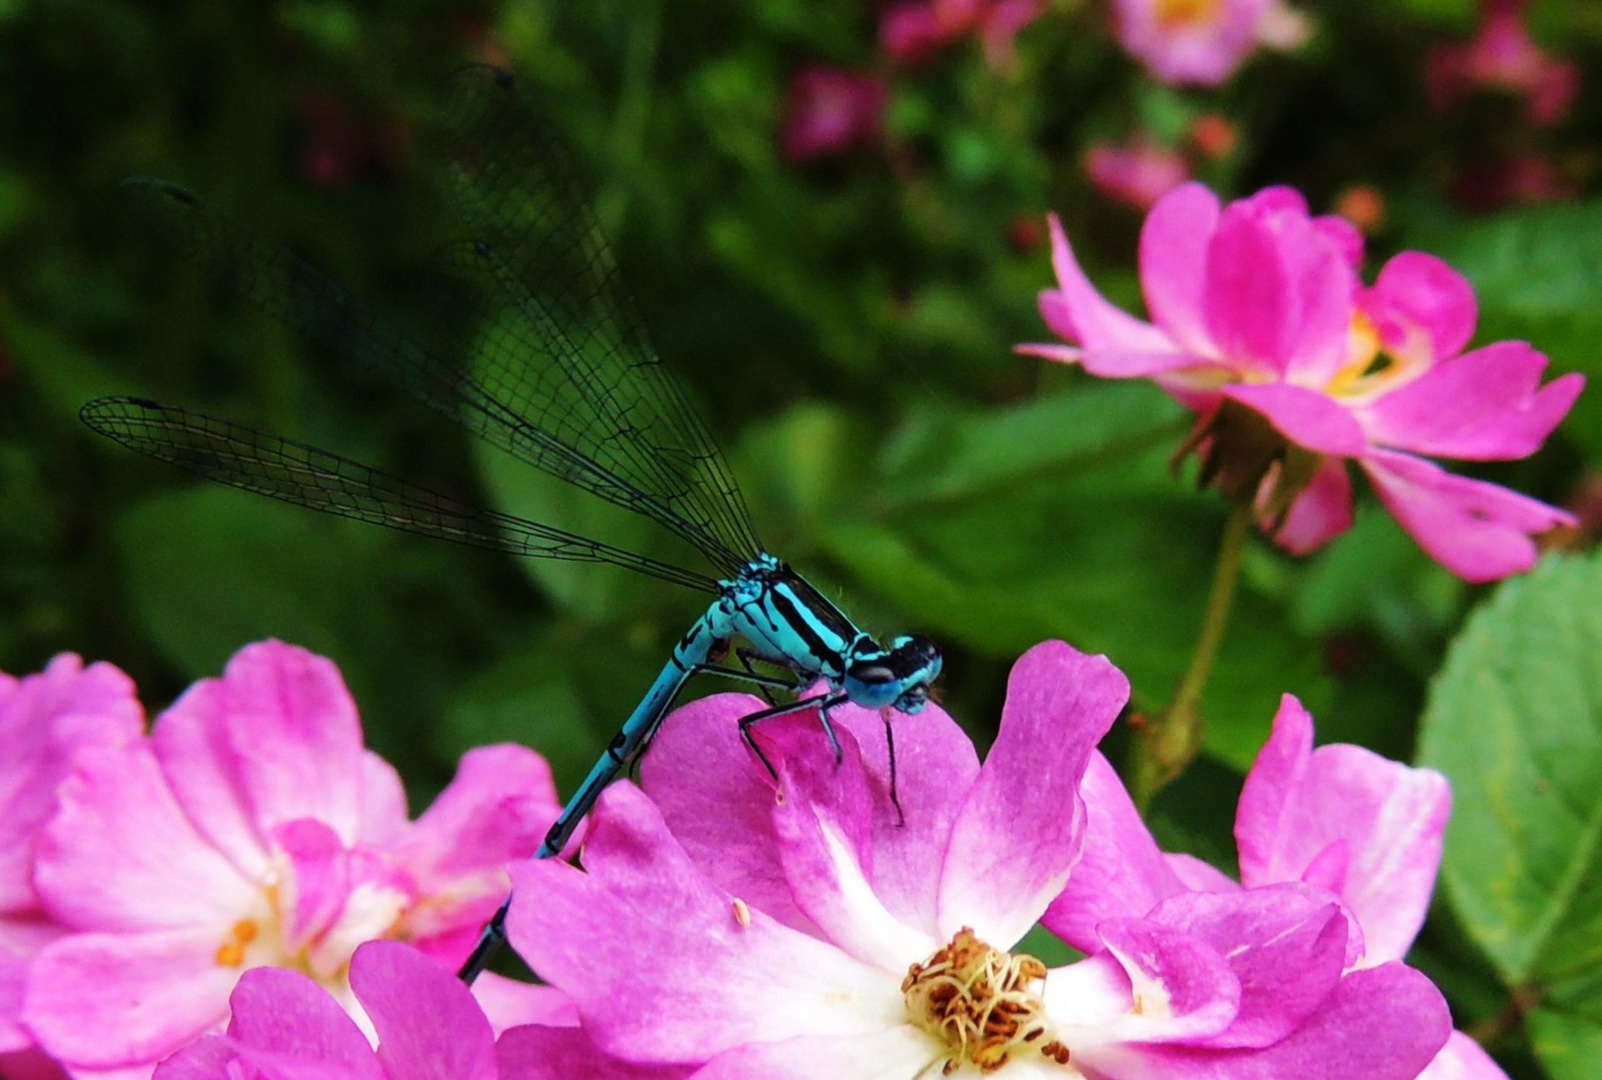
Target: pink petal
[
  {"x": 1419, "y": 293},
  {"x": 1121, "y": 873},
  {"x": 1389, "y": 819},
  {"x": 1198, "y": 875},
  {"x": 1181, "y": 989},
  {"x": 898, "y": 1051},
  {"x": 427, "y": 1022},
  {"x": 508, "y": 1003},
  {"x": 275, "y": 739},
  {"x": 109, "y": 1000},
  {"x": 44, "y": 720},
  {"x": 1062, "y": 354},
  {"x": 121, "y": 855},
  {"x": 1320, "y": 513},
  {"x": 1285, "y": 946},
  {"x": 1307, "y": 418},
  {"x": 536, "y": 1052},
  {"x": 824, "y": 824},
  {"x": 1123, "y": 364},
  {"x": 284, "y": 1014},
  {"x": 1249, "y": 294},
  {"x": 935, "y": 767},
  {"x": 719, "y": 802},
  {"x": 30, "y": 1064},
  {"x": 383, "y": 812},
  {"x": 1278, "y": 295},
  {"x": 1381, "y": 1023},
  {"x": 496, "y": 809},
  {"x": 1173, "y": 264},
  {"x": 1080, "y": 315},
  {"x": 317, "y": 883},
  {"x": 1462, "y": 1059},
  {"x": 13, "y": 969},
  {"x": 643, "y": 994},
  {"x": 1021, "y": 829},
  {"x": 1486, "y": 405},
  {"x": 1478, "y": 531}
]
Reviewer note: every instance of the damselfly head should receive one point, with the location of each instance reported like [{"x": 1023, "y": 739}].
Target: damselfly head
[{"x": 898, "y": 676}]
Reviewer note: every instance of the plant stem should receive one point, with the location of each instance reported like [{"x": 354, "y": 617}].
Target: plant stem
[{"x": 1171, "y": 739}]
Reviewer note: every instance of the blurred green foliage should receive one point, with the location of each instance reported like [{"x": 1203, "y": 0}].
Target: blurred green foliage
[{"x": 845, "y": 325}]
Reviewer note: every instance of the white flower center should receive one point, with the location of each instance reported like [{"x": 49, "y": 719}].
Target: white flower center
[{"x": 982, "y": 1003}]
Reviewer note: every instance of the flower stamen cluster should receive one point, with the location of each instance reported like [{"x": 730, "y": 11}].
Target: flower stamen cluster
[{"x": 980, "y": 1001}]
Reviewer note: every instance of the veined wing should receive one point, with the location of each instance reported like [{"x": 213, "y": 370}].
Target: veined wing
[
  {"x": 570, "y": 353},
  {"x": 480, "y": 373},
  {"x": 294, "y": 472}
]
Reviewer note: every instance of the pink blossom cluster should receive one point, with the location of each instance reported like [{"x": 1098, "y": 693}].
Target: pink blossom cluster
[
  {"x": 725, "y": 922},
  {"x": 1203, "y": 42},
  {"x": 913, "y": 31},
  {"x": 1502, "y": 56},
  {"x": 142, "y": 873},
  {"x": 1261, "y": 324}
]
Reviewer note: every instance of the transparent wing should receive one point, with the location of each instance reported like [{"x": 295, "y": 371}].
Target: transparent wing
[
  {"x": 544, "y": 355},
  {"x": 268, "y": 464},
  {"x": 571, "y": 354}
]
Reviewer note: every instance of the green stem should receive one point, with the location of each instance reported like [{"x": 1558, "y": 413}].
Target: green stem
[{"x": 1172, "y": 738}]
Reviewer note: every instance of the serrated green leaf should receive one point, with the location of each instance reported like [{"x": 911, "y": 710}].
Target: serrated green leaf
[{"x": 1515, "y": 720}]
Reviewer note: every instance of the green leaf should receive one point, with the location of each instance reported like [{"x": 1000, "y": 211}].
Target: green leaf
[
  {"x": 1515, "y": 720},
  {"x": 1569, "y": 1046},
  {"x": 1537, "y": 274},
  {"x": 210, "y": 569},
  {"x": 595, "y": 592},
  {"x": 533, "y": 697},
  {"x": 942, "y": 455},
  {"x": 1114, "y": 569}
]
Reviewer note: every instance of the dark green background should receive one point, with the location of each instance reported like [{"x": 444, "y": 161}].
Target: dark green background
[{"x": 845, "y": 326}]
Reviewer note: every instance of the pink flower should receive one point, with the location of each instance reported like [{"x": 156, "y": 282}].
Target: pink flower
[
  {"x": 1137, "y": 173},
  {"x": 285, "y": 1025},
  {"x": 831, "y": 110},
  {"x": 1503, "y": 57},
  {"x": 44, "y": 720},
  {"x": 1202, "y": 42},
  {"x": 1339, "y": 818},
  {"x": 251, "y": 828},
  {"x": 914, "y": 30},
  {"x": 1260, "y": 325},
  {"x": 818, "y": 929}
]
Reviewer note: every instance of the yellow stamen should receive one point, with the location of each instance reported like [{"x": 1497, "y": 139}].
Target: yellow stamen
[
  {"x": 982, "y": 1003},
  {"x": 1176, "y": 13},
  {"x": 231, "y": 953}
]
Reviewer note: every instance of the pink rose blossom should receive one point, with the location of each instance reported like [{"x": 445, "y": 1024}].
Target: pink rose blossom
[
  {"x": 285, "y": 1026},
  {"x": 1294, "y": 367},
  {"x": 1339, "y": 818},
  {"x": 251, "y": 828},
  {"x": 1202, "y": 42},
  {"x": 831, "y": 110},
  {"x": 44, "y": 720},
  {"x": 1503, "y": 56},
  {"x": 1136, "y": 173},
  {"x": 817, "y": 929},
  {"x": 912, "y": 31}
]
